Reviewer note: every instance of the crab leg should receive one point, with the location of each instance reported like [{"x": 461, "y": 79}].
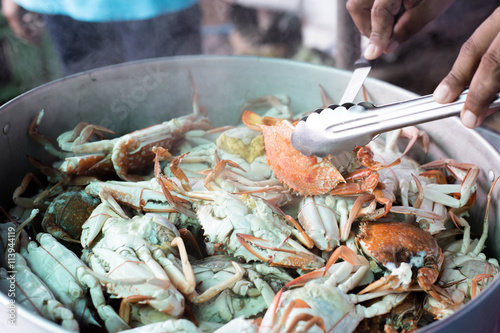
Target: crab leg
[
  {"x": 484, "y": 235},
  {"x": 267, "y": 101},
  {"x": 309, "y": 319},
  {"x": 415, "y": 211},
  {"x": 410, "y": 132},
  {"x": 346, "y": 228},
  {"x": 273, "y": 308},
  {"x": 214, "y": 290},
  {"x": 294, "y": 304},
  {"x": 16, "y": 196},
  {"x": 287, "y": 254},
  {"x": 187, "y": 283},
  {"x": 475, "y": 283},
  {"x": 96, "y": 163},
  {"x": 188, "y": 237},
  {"x": 366, "y": 185},
  {"x": 438, "y": 193},
  {"x": 383, "y": 306},
  {"x": 135, "y": 148},
  {"x": 108, "y": 209},
  {"x": 74, "y": 140},
  {"x": 68, "y": 278},
  {"x": 135, "y": 195},
  {"x": 271, "y": 190},
  {"x": 125, "y": 308},
  {"x": 338, "y": 272},
  {"x": 37, "y": 137}
]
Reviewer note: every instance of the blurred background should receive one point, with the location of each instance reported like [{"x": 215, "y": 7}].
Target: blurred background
[{"x": 316, "y": 31}]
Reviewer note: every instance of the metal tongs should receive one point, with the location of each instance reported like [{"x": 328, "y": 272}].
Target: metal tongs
[{"x": 341, "y": 128}]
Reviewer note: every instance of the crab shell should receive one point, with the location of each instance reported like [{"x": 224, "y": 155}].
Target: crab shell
[
  {"x": 392, "y": 243},
  {"x": 67, "y": 213},
  {"x": 308, "y": 175}
]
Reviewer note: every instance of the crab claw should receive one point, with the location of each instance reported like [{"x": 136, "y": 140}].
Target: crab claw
[
  {"x": 426, "y": 278},
  {"x": 253, "y": 121},
  {"x": 218, "y": 288},
  {"x": 384, "y": 283},
  {"x": 128, "y": 277},
  {"x": 287, "y": 254}
]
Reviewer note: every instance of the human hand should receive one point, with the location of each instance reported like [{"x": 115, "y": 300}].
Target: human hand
[
  {"x": 477, "y": 64},
  {"x": 23, "y": 26},
  {"x": 375, "y": 19}
]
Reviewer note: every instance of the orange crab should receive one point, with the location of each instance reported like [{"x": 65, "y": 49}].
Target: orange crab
[
  {"x": 403, "y": 248},
  {"x": 311, "y": 175},
  {"x": 321, "y": 176}
]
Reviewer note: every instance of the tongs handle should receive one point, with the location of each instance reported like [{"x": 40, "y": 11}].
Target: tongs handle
[
  {"x": 401, "y": 114},
  {"x": 336, "y": 134}
]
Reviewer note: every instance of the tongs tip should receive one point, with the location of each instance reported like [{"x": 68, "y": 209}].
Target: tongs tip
[{"x": 315, "y": 134}]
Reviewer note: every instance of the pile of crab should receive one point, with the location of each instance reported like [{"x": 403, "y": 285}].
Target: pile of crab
[{"x": 184, "y": 227}]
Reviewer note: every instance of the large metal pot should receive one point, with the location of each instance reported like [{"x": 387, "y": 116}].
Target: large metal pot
[{"x": 134, "y": 95}]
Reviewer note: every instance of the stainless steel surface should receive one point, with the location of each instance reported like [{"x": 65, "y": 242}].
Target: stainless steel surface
[
  {"x": 491, "y": 136},
  {"x": 332, "y": 131},
  {"x": 135, "y": 95}
]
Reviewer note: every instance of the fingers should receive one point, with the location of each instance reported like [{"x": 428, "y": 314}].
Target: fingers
[
  {"x": 484, "y": 86},
  {"x": 360, "y": 11},
  {"x": 418, "y": 13},
  {"x": 375, "y": 19},
  {"x": 382, "y": 21},
  {"x": 478, "y": 63}
]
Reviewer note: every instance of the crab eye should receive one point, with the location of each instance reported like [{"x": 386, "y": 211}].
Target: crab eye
[
  {"x": 242, "y": 260},
  {"x": 206, "y": 239}
]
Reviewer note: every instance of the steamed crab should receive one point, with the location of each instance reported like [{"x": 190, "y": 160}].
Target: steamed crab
[
  {"x": 134, "y": 282},
  {"x": 136, "y": 258},
  {"x": 241, "y": 145},
  {"x": 65, "y": 204},
  {"x": 327, "y": 219},
  {"x": 67, "y": 213},
  {"x": 242, "y": 225},
  {"x": 322, "y": 302},
  {"x": 425, "y": 194},
  {"x": 66, "y": 276},
  {"x": 150, "y": 239},
  {"x": 247, "y": 297},
  {"x": 248, "y": 227},
  {"x": 238, "y": 144},
  {"x": 401, "y": 249},
  {"x": 35, "y": 296},
  {"x": 237, "y": 162},
  {"x": 466, "y": 269},
  {"x": 311, "y": 175},
  {"x": 130, "y": 153}
]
